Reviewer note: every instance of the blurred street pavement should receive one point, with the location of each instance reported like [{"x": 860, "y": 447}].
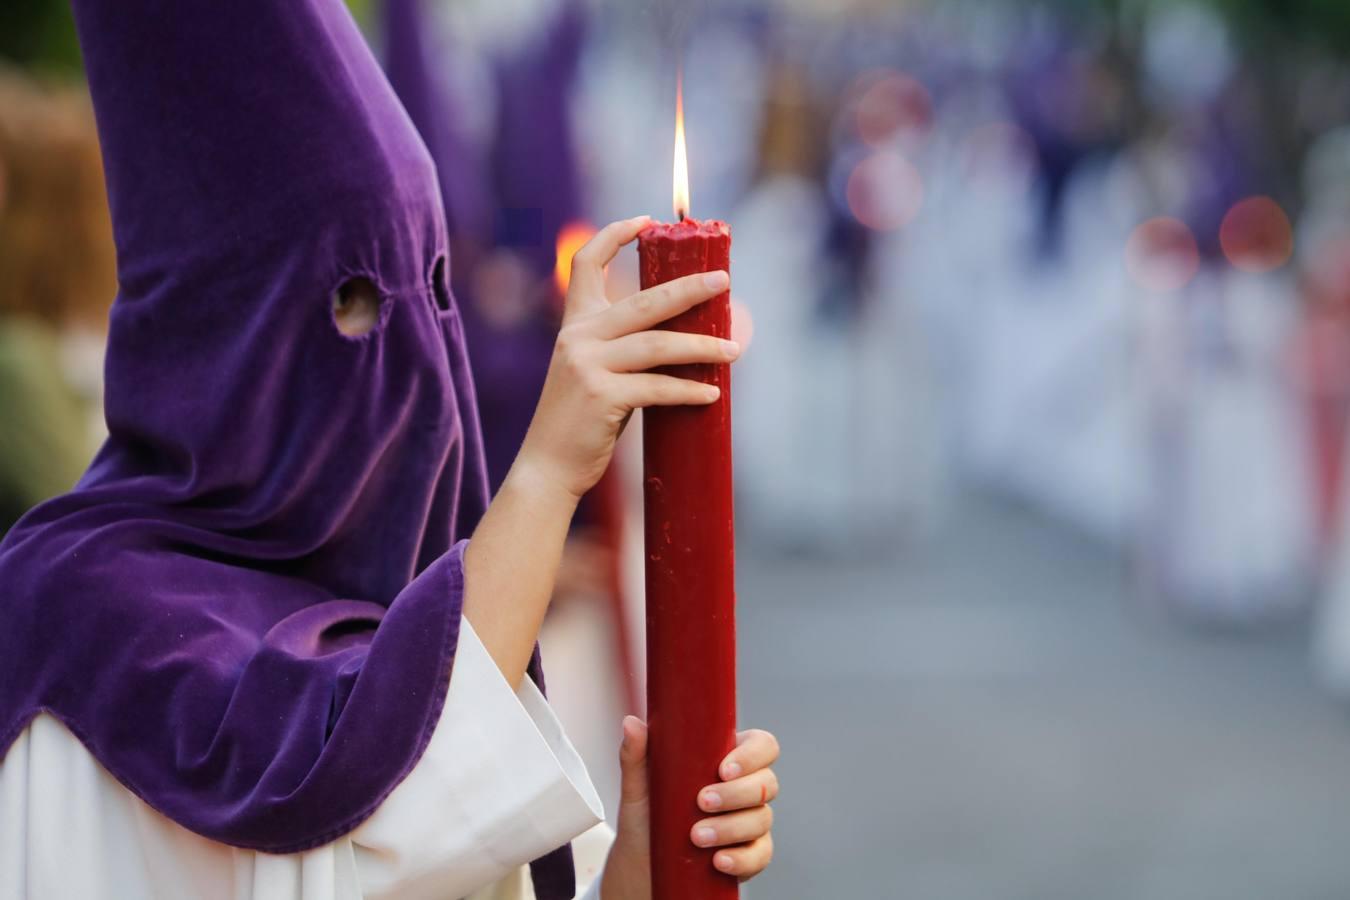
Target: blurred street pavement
[{"x": 987, "y": 717}]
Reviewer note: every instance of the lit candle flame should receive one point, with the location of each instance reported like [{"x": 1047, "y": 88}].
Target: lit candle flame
[{"x": 681, "y": 159}]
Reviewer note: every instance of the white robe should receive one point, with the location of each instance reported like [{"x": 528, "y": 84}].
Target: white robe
[{"x": 499, "y": 784}]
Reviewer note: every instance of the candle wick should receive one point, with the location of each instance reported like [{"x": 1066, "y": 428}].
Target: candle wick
[{"x": 681, "y": 215}]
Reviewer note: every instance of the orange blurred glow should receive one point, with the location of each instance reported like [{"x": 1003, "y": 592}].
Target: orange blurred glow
[
  {"x": 884, "y": 191},
  {"x": 571, "y": 238},
  {"x": 1161, "y": 255},
  {"x": 1256, "y": 235},
  {"x": 681, "y": 156}
]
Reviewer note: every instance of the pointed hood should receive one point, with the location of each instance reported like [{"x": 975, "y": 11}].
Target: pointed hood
[
  {"x": 256, "y": 160},
  {"x": 248, "y": 607}
]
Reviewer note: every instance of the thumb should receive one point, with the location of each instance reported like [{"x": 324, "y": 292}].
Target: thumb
[{"x": 633, "y": 761}]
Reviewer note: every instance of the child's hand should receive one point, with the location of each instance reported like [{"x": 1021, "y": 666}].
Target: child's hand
[
  {"x": 739, "y": 817},
  {"x": 598, "y": 374}
]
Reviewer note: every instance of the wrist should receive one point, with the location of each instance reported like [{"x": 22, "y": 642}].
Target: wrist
[{"x": 536, "y": 482}]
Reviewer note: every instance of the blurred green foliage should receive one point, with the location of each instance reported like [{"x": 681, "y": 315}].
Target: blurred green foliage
[
  {"x": 364, "y": 10},
  {"x": 1325, "y": 22},
  {"x": 40, "y": 34},
  {"x": 1320, "y": 20}
]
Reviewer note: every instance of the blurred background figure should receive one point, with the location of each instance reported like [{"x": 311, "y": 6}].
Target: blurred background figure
[
  {"x": 57, "y": 279},
  {"x": 1040, "y": 435}
]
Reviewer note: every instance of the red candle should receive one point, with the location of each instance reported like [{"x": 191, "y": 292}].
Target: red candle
[{"x": 690, "y": 547}]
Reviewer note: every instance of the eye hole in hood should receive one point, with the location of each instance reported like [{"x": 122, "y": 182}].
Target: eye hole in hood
[
  {"x": 440, "y": 285},
  {"x": 356, "y": 307}
]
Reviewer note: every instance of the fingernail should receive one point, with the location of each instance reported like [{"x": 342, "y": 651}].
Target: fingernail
[
  {"x": 716, "y": 280},
  {"x": 731, "y": 770},
  {"x": 704, "y": 836},
  {"x": 712, "y": 800},
  {"x": 723, "y": 861},
  {"x": 733, "y": 349},
  {"x": 713, "y": 392}
]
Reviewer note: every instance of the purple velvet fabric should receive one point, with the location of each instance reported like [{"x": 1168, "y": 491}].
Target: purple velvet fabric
[{"x": 248, "y": 607}]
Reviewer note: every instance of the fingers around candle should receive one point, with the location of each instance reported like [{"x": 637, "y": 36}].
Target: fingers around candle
[
  {"x": 657, "y": 304},
  {"x": 586, "y": 289},
  {"x": 733, "y": 828},
  {"x": 648, "y": 349},
  {"x": 755, "y": 789},
  {"x": 747, "y": 861},
  {"x": 755, "y": 749},
  {"x": 649, "y": 389}
]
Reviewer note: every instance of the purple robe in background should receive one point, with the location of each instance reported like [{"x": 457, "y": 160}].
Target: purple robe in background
[
  {"x": 1223, "y": 175},
  {"x": 535, "y": 191},
  {"x": 1049, "y": 93},
  {"x": 464, "y": 190},
  {"x": 534, "y": 165},
  {"x": 248, "y": 608}
]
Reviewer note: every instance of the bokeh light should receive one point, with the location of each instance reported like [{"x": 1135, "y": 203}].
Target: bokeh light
[
  {"x": 885, "y": 191},
  {"x": 891, "y": 103},
  {"x": 1256, "y": 235},
  {"x": 1161, "y": 254}
]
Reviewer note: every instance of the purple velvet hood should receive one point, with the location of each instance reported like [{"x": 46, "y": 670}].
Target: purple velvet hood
[{"x": 248, "y": 607}]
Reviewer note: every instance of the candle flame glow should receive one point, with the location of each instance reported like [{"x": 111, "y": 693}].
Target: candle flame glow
[
  {"x": 681, "y": 158},
  {"x": 571, "y": 238}
]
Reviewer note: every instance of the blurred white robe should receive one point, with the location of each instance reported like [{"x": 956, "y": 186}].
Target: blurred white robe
[{"x": 499, "y": 784}]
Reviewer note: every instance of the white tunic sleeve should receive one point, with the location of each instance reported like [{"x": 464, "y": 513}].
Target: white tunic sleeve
[{"x": 498, "y": 785}]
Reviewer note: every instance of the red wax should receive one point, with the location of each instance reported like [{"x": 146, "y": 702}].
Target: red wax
[{"x": 691, "y": 594}]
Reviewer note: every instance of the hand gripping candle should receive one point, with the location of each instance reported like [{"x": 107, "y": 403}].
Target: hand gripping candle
[{"x": 690, "y": 566}]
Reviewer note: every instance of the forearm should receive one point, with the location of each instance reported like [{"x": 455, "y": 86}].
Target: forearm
[
  {"x": 511, "y": 564},
  {"x": 600, "y": 372}
]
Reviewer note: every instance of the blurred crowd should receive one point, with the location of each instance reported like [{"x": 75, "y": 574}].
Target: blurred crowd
[{"x": 1092, "y": 256}]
